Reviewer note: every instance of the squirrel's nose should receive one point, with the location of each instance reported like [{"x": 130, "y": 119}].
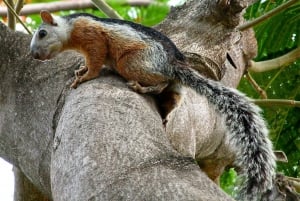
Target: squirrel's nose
[{"x": 35, "y": 54}]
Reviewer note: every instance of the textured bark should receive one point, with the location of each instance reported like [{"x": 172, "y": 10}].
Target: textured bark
[
  {"x": 104, "y": 142},
  {"x": 28, "y": 94}
]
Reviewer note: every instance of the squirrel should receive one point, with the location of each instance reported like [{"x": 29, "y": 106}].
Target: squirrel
[{"x": 151, "y": 63}]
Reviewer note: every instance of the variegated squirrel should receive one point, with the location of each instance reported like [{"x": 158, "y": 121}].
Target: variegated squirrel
[{"x": 151, "y": 63}]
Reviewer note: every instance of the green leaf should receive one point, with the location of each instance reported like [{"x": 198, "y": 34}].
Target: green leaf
[
  {"x": 279, "y": 33},
  {"x": 228, "y": 181}
]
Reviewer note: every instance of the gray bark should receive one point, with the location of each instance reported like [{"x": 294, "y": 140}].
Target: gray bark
[{"x": 103, "y": 141}]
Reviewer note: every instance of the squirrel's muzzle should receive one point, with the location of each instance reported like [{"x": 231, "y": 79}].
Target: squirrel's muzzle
[{"x": 35, "y": 54}]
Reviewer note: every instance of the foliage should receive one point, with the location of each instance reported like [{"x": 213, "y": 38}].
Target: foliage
[
  {"x": 227, "y": 180},
  {"x": 279, "y": 34},
  {"x": 147, "y": 15},
  {"x": 276, "y": 36}
]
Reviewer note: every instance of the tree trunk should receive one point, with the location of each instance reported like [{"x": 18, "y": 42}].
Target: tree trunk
[
  {"x": 25, "y": 190},
  {"x": 103, "y": 141}
]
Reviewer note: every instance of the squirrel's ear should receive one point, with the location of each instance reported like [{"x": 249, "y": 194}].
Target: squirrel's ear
[{"x": 47, "y": 18}]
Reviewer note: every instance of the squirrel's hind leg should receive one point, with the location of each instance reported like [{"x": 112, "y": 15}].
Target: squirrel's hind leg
[
  {"x": 168, "y": 95},
  {"x": 156, "y": 89}
]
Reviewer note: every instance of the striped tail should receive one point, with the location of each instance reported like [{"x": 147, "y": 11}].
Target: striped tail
[{"x": 246, "y": 130}]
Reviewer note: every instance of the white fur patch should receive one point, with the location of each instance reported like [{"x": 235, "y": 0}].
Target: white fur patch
[
  {"x": 63, "y": 29},
  {"x": 124, "y": 31},
  {"x": 51, "y": 44}
]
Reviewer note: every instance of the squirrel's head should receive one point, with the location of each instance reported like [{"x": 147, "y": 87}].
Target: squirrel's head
[{"x": 50, "y": 37}]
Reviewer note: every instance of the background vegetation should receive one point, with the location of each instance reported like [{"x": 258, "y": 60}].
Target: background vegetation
[{"x": 276, "y": 36}]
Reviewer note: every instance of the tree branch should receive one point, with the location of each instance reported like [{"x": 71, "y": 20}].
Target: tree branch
[
  {"x": 10, "y": 14},
  {"x": 295, "y": 182},
  {"x": 67, "y": 5},
  {"x": 276, "y": 102},
  {"x": 278, "y": 62},
  {"x": 266, "y": 16},
  {"x": 19, "y": 5},
  {"x": 106, "y": 9}
]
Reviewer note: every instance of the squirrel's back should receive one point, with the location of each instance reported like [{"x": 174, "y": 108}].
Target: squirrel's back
[{"x": 155, "y": 35}]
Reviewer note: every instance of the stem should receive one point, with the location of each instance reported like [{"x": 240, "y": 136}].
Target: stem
[
  {"x": 278, "y": 62},
  {"x": 107, "y": 10},
  {"x": 276, "y": 102},
  {"x": 35, "y": 8},
  {"x": 257, "y": 88},
  {"x": 16, "y": 15},
  {"x": 19, "y": 5},
  {"x": 274, "y": 78},
  {"x": 266, "y": 16},
  {"x": 11, "y": 18}
]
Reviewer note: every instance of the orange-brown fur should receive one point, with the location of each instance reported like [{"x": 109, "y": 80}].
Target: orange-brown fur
[
  {"x": 91, "y": 42},
  {"x": 129, "y": 72},
  {"x": 99, "y": 46}
]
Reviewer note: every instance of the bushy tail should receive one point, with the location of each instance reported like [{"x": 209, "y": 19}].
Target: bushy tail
[{"x": 247, "y": 131}]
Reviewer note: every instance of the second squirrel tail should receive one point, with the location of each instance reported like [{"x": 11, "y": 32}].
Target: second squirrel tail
[{"x": 246, "y": 131}]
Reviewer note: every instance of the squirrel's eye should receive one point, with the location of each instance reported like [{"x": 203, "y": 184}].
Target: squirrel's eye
[{"x": 42, "y": 33}]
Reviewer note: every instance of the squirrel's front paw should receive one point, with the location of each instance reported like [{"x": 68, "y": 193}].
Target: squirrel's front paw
[
  {"x": 81, "y": 71},
  {"x": 155, "y": 89},
  {"x": 76, "y": 82}
]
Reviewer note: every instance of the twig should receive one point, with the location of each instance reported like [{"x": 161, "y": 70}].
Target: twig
[
  {"x": 19, "y": 5},
  {"x": 293, "y": 179},
  {"x": 52, "y": 7},
  {"x": 257, "y": 88},
  {"x": 67, "y": 5},
  {"x": 274, "y": 77},
  {"x": 276, "y": 102},
  {"x": 16, "y": 15},
  {"x": 266, "y": 16},
  {"x": 278, "y": 62},
  {"x": 10, "y": 16},
  {"x": 106, "y": 9}
]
